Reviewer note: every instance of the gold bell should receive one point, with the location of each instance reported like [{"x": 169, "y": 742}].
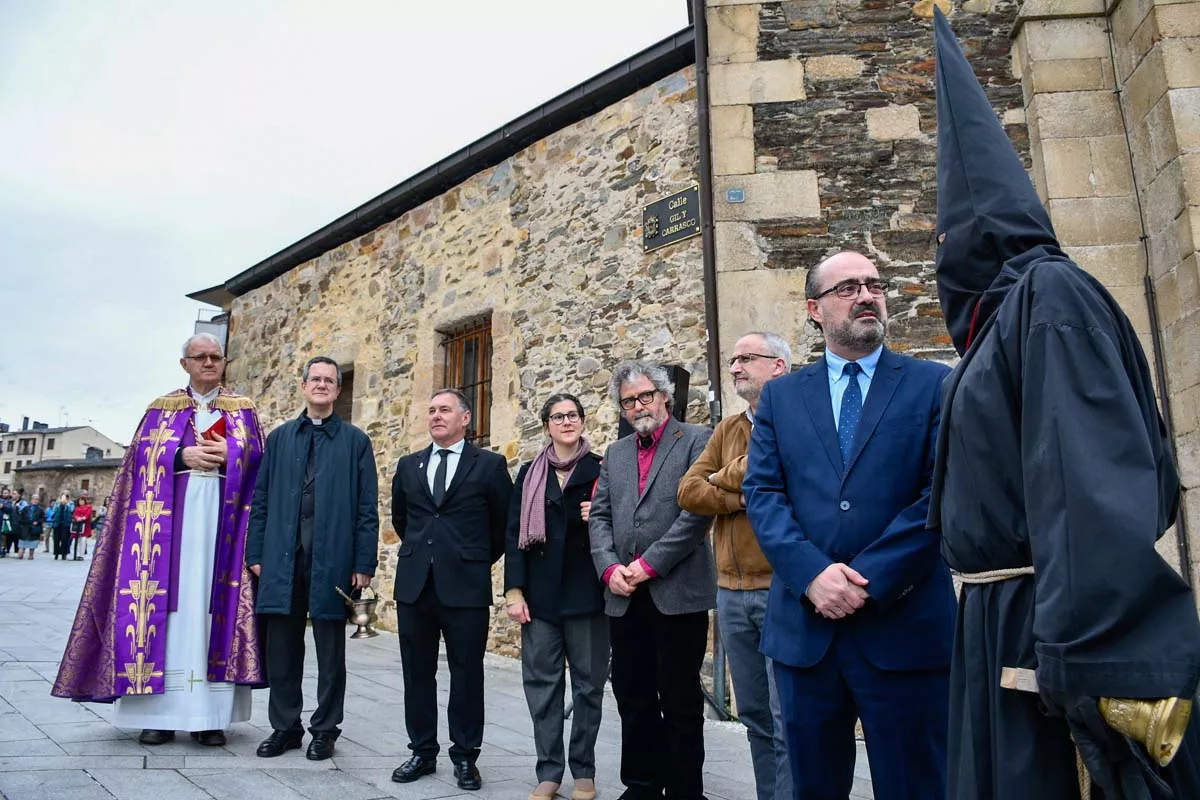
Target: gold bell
[{"x": 1159, "y": 725}]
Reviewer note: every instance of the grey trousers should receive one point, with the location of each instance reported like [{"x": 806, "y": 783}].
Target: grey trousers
[
  {"x": 582, "y": 643},
  {"x": 741, "y": 615}
]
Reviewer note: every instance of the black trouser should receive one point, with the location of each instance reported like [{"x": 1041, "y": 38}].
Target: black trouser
[
  {"x": 285, "y": 666},
  {"x": 656, "y": 661},
  {"x": 465, "y": 631},
  {"x": 62, "y": 542}
]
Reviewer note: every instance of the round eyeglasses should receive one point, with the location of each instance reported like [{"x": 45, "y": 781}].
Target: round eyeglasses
[{"x": 570, "y": 416}]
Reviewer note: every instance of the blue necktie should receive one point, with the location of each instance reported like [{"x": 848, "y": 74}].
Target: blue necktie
[{"x": 851, "y": 411}]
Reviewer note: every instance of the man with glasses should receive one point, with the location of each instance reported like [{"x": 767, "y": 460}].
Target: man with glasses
[
  {"x": 713, "y": 485},
  {"x": 166, "y": 624},
  {"x": 861, "y": 608},
  {"x": 656, "y": 564},
  {"x": 314, "y": 529}
]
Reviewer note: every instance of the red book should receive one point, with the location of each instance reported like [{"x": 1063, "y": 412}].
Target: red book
[{"x": 214, "y": 430}]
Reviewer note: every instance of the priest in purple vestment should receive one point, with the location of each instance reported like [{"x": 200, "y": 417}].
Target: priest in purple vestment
[{"x": 166, "y": 626}]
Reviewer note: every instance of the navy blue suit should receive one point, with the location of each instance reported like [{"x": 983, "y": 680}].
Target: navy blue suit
[{"x": 888, "y": 663}]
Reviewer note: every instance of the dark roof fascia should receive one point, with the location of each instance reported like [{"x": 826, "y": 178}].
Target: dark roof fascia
[
  {"x": 614, "y": 84},
  {"x": 70, "y": 463},
  {"x": 217, "y": 296}
]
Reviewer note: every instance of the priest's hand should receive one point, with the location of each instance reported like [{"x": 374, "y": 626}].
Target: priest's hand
[
  {"x": 360, "y": 580},
  {"x": 216, "y": 446},
  {"x": 256, "y": 569},
  {"x": 201, "y": 457},
  {"x": 838, "y": 591}
]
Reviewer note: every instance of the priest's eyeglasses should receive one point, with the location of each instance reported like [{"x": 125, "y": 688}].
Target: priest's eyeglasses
[
  {"x": 570, "y": 416},
  {"x": 848, "y": 290},
  {"x": 206, "y": 358},
  {"x": 645, "y": 398}
]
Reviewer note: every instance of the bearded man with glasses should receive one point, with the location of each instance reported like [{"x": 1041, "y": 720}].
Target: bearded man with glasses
[
  {"x": 655, "y": 562},
  {"x": 861, "y": 609},
  {"x": 166, "y": 625}
]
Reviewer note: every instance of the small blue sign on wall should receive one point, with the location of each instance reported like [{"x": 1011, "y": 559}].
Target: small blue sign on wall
[{"x": 735, "y": 195}]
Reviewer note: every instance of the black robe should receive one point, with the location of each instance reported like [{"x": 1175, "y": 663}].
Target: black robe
[{"x": 1052, "y": 454}]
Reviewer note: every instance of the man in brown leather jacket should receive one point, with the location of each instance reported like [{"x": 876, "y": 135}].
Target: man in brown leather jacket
[{"x": 713, "y": 485}]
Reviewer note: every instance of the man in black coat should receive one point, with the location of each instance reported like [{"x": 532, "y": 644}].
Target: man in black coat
[
  {"x": 449, "y": 508},
  {"x": 1053, "y": 481},
  {"x": 314, "y": 527}
]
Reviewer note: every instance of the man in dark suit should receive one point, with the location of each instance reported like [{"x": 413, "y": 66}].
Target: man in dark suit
[
  {"x": 449, "y": 508},
  {"x": 655, "y": 561},
  {"x": 861, "y": 609}
]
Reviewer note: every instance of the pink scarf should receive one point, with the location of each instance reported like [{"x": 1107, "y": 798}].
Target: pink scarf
[{"x": 533, "y": 494}]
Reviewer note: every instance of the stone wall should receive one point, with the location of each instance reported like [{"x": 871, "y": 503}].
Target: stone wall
[
  {"x": 824, "y": 114},
  {"x": 52, "y": 482},
  {"x": 547, "y": 244}
]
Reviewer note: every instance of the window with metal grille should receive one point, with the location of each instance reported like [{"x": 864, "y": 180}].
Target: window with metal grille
[{"x": 468, "y": 367}]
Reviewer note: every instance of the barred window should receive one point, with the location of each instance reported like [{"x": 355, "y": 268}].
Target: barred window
[{"x": 468, "y": 367}]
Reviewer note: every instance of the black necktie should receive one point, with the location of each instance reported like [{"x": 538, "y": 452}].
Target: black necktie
[
  {"x": 439, "y": 479},
  {"x": 851, "y": 411}
]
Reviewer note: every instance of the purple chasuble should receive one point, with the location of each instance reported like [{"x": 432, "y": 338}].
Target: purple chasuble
[{"x": 118, "y": 642}]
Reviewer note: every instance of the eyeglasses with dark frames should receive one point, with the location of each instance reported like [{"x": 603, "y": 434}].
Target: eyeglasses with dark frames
[
  {"x": 206, "y": 358},
  {"x": 645, "y": 398},
  {"x": 570, "y": 416},
  {"x": 746, "y": 358},
  {"x": 848, "y": 290}
]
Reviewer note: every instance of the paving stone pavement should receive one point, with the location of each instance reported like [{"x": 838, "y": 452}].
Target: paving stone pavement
[{"x": 52, "y": 749}]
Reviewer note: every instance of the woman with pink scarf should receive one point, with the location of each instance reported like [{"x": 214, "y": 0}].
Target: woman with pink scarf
[{"x": 551, "y": 588}]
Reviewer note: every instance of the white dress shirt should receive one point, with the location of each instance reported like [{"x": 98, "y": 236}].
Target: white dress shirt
[{"x": 451, "y": 462}]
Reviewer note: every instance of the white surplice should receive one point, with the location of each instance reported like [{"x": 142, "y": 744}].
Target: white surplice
[{"x": 190, "y": 702}]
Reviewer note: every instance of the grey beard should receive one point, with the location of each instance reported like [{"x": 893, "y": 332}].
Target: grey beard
[
  {"x": 749, "y": 393},
  {"x": 646, "y": 425},
  {"x": 859, "y": 339}
]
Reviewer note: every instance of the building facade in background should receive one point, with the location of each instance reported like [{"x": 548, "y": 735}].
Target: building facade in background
[
  {"x": 515, "y": 267},
  {"x": 36, "y": 443}
]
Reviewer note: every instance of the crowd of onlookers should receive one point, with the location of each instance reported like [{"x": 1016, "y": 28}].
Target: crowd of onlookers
[{"x": 64, "y": 525}]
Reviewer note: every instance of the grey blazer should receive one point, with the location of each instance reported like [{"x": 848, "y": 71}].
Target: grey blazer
[{"x": 671, "y": 540}]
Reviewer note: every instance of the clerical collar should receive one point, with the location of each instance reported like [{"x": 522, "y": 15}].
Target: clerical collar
[{"x": 205, "y": 398}]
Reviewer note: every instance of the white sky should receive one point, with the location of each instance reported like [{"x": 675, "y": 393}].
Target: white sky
[{"x": 151, "y": 148}]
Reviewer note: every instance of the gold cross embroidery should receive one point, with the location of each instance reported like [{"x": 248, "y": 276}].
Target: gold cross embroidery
[
  {"x": 147, "y": 527},
  {"x": 156, "y": 440},
  {"x": 142, "y": 591},
  {"x": 193, "y": 680},
  {"x": 139, "y": 675}
]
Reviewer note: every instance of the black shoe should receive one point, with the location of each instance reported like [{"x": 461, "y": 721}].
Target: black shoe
[
  {"x": 151, "y": 736},
  {"x": 279, "y": 742},
  {"x": 210, "y": 738},
  {"x": 321, "y": 747},
  {"x": 467, "y": 775},
  {"x": 414, "y": 768}
]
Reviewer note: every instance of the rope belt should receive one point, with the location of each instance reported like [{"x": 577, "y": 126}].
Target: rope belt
[
  {"x": 1024, "y": 680},
  {"x": 994, "y": 575}
]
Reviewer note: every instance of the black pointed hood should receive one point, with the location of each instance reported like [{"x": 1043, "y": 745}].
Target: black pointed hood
[{"x": 991, "y": 226}]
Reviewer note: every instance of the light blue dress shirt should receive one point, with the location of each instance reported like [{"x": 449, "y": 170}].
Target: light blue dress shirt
[{"x": 838, "y": 381}]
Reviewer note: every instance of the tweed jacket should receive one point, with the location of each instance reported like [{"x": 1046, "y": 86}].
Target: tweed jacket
[{"x": 623, "y": 525}]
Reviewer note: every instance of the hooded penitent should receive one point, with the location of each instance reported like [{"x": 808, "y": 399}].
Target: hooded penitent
[
  {"x": 1052, "y": 482},
  {"x": 989, "y": 215}
]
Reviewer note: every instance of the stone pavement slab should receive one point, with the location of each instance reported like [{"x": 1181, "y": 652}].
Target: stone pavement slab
[{"x": 52, "y": 749}]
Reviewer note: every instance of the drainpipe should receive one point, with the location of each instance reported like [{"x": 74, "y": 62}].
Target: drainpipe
[
  {"x": 696, "y": 15},
  {"x": 1156, "y": 340}
]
